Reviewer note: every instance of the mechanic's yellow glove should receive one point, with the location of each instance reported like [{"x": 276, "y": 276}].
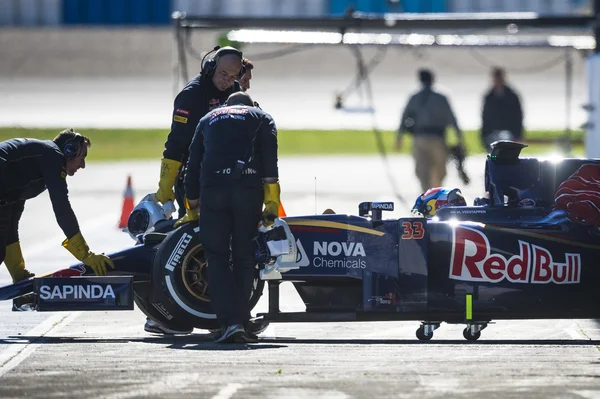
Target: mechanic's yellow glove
[
  {"x": 191, "y": 215},
  {"x": 272, "y": 200},
  {"x": 168, "y": 175},
  {"x": 15, "y": 263},
  {"x": 79, "y": 248}
]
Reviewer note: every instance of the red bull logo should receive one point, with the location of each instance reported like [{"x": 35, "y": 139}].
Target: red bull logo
[{"x": 472, "y": 260}]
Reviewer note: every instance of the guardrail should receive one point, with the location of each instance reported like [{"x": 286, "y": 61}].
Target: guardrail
[{"x": 157, "y": 12}]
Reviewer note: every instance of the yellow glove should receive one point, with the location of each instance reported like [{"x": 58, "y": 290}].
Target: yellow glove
[
  {"x": 191, "y": 215},
  {"x": 272, "y": 200},
  {"x": 15, "y": 263},
  {"x": 168, "y": 174},
  {"x": 77, "y": 246}
]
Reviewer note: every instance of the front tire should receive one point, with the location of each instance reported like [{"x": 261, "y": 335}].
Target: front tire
[{"x": 180, "y": 280}]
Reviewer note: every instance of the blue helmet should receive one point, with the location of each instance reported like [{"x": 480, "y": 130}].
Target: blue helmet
[{"x": 428, "y": 203}]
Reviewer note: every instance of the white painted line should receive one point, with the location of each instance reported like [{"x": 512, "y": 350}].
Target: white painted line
[
  {"x": 161, "y": 386},
  {"x": 18, "y": 352},
  {"x": 574, "y": 334},
  {"x": 227, "y": 392}
]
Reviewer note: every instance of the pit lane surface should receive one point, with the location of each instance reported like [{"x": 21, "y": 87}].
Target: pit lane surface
[{"x": 107, "y": 354}]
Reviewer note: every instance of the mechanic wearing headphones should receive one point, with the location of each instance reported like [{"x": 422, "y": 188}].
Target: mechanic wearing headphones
[
  {"x": 27, "y": 168},
  {"x": 205, "y": 92},
  {"x": 232, "y": 170}
]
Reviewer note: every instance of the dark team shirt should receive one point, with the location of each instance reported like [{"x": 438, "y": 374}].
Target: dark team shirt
[
  {"x": 196, "y": 99},
  {"x": 502, "y": 112},
  {"x": 223, "y": 137},
  {"x": 30, "y": 166}
]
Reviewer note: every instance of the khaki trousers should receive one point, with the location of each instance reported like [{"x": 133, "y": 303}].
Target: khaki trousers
[{"x": 430, "y": 153}]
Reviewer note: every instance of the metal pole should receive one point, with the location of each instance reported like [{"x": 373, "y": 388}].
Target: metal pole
[
  {"x": 568, "y": 99},
  {"x": 597, "y": 25}
]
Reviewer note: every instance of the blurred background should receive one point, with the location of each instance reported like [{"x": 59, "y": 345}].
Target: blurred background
[{"x": 115, "y": 64}]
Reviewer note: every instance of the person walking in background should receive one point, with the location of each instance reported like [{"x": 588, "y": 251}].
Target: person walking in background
[
  {"x": 502, "y": 115},
  {"x": 426, "y": 116}
]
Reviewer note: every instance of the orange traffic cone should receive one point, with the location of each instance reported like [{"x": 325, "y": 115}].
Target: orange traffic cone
[
  {"x": 281, "y": 210},
  {"x": 127, "y": 204}
]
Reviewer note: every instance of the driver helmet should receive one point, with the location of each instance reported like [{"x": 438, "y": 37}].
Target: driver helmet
[{"x": 434, "y": 199}]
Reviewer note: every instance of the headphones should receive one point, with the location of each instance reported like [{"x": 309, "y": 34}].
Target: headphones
[
  {"x": 209, "y": 67},
  {"x": 72, "y": 146}
]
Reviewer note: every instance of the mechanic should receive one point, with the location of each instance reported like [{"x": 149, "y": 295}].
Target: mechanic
[
  {"x": 502, "y": 112},
  {"x": 232, "y": 170},
  {"x": 205, "y": 92},
  {"x": 426, "y": 116},
  {"x": 27, "y": 168}
]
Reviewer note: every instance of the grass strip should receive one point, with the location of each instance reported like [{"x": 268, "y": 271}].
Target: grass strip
[{"x": 136, "y": 144}]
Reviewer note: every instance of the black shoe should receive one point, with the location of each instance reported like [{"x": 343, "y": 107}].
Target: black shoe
[
  {"x": 155, "y": 327},
  {"x": 256, "y": 326},
  {"x": 23, "y": 303},
  {"x": 251, "y": 338},
  {"x": 234, "y": 334}
]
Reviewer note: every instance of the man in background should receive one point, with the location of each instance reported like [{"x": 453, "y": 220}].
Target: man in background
[
  {"x": 244, "y": 81},
  {"x": 502, "y": 115},
  {"x": 426, "y": 116}
]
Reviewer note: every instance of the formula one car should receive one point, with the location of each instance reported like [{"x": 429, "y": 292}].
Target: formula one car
[{"x": 527, "y": 250}]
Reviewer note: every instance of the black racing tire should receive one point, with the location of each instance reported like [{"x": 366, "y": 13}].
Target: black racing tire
[{"x": 179, "y": 281}]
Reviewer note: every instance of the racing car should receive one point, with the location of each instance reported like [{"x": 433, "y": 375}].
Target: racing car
[{"x": 527, "y": 249}]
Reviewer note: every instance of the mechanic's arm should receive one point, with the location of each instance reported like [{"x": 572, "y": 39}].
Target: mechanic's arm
[
  {"x": 409, "y": 109},
  {"x": 186, "y": 114},
  {"x": 486, "y": 115},
  {"x": 191, "y": 179},
  {"x": 196, "y": 155},
  {"x": 56, "y": 183},
  {"x": 454, "y": 123},
  {"x": 518, "y": 118},
  {"x": 267, "y": 143}
]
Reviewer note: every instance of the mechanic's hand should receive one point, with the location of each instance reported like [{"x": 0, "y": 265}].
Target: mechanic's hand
[
  {"x": 191, "y": 215},
  {"x": 169, "y": 169},
  {"x": 272, "y": 200},
  {"x": 77, "y": 246},
  {"x": 98, "y": 263}
]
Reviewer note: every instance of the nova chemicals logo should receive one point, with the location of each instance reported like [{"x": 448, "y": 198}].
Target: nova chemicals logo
[
  {"x": 334, "y": 254},
  {"x": 67, "y": 292}
]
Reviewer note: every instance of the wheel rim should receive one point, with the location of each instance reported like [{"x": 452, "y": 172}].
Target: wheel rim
[{"x": 194, "y": 273}]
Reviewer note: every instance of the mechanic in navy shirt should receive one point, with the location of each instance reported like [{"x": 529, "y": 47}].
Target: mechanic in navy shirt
[
  {"x": 232, "y": 169},
  {"x": 205, "y": 92},
  {"x": 27, "y": 168}
]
